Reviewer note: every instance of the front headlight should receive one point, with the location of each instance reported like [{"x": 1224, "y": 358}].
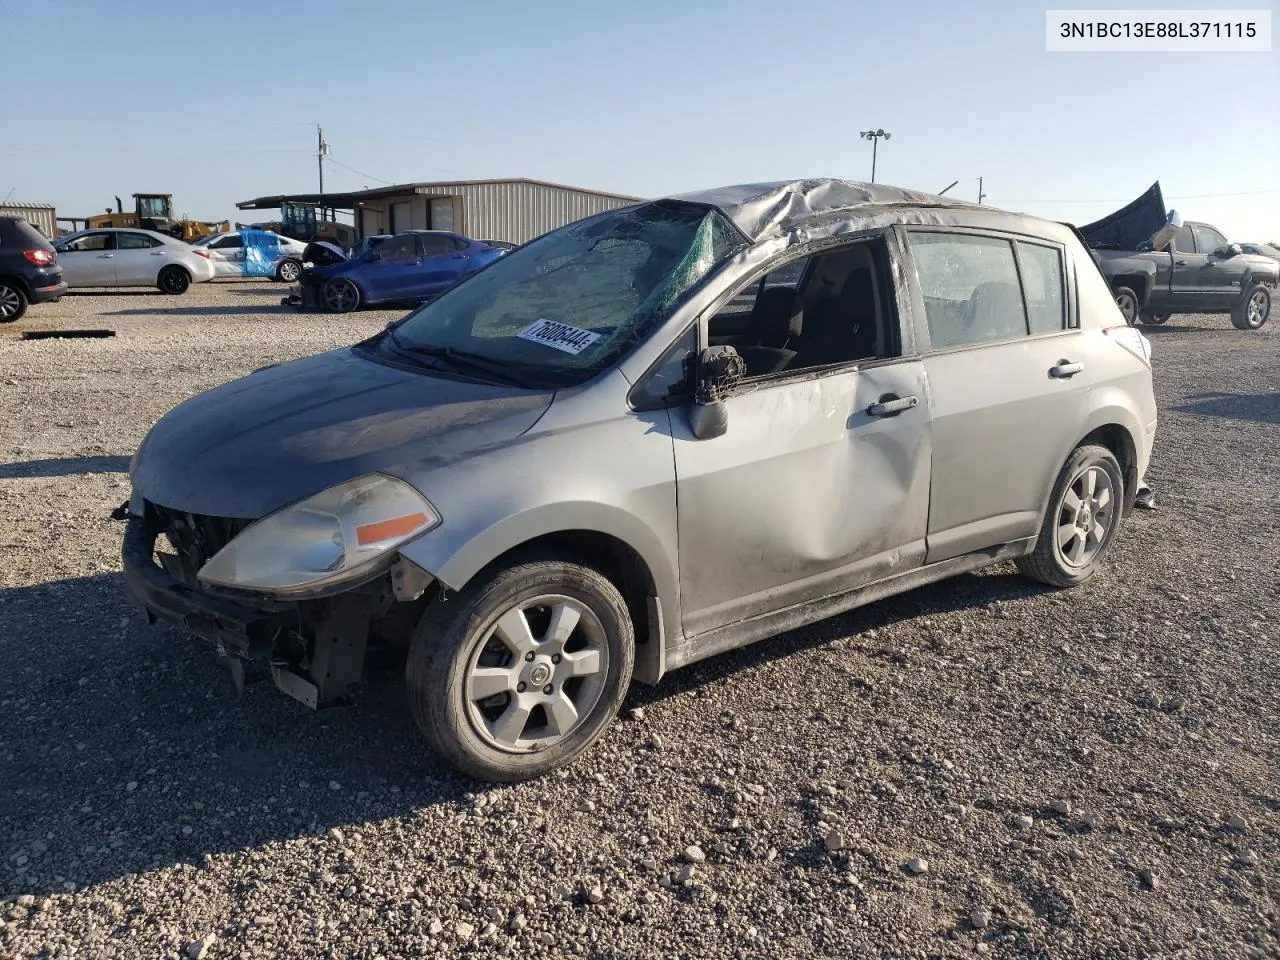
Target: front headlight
[{"x": 340, "y": 534}]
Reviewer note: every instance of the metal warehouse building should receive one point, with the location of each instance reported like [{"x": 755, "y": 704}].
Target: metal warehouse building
[
  {"x": 510, "y": 210},
  {"x": 42, "y": 216}
]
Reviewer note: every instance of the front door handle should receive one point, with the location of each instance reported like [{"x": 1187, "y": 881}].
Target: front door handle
[
  {"x": 890, "y": 405},
  {"x": 105, "y": 256},
  {"x": 1181, "y": 263},
  {"x": 1065, "y": 370}
]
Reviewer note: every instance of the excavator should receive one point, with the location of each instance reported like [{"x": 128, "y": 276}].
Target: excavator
[{"x": 154, "y": 211}]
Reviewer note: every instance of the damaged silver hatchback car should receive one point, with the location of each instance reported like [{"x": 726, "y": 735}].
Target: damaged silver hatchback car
[{"x": 650, "y": 436}]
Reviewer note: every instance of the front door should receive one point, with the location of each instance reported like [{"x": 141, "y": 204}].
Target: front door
[
  {"x": 1007, "y": 372},
  {"x": 392, "y": 273},
  {"x": 442, "y": 263},
  {"x": 813, "y": 490},
  {"x": 227, "y": 255},
  {"x": 89, "y": 260},
  {"x": 1221, "y": 273}
]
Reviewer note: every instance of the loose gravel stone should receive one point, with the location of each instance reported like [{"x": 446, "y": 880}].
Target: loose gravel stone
[{"x": 693, "y": 854}]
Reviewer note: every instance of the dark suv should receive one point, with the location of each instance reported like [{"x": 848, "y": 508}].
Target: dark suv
[{"x": 29, "y": 271}]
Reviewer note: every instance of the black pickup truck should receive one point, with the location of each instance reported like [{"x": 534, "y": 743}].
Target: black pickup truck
[{"x": 1158, "y": 266}]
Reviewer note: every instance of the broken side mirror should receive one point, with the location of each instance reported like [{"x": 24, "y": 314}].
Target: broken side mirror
[
  {"x": 719, "y": 370},
  {"x": 1232, "y": 250}
]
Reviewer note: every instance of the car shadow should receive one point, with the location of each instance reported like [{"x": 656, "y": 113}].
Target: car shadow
[
  {"x": 63, "y": 467},
  {"x": 116, "y": 292},
  {"x": 201, "y": 311},
  {"x": 1253, "y": 407},
  {"x": 127, "y": 749}
]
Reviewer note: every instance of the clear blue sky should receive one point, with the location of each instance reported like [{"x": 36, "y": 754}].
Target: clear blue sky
[{"x": 217, "y": 101}]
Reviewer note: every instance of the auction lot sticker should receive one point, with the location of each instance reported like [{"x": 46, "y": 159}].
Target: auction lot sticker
[
  {"x": 559, "y": 336},
  {"x": 1158, "y": 31}
]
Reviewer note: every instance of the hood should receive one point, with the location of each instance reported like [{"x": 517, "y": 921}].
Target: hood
[
  {"x": 254, "y": 445},
  {"x": 1134, "y": 226}
]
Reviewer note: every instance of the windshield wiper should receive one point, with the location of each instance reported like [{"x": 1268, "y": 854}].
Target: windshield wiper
[{"x": 463, "y": 361}]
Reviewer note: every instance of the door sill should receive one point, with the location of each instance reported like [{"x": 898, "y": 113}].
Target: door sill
[{"x": 744, "y": 632}]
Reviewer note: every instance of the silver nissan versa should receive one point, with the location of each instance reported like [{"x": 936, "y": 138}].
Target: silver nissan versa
[{"x": 647, "y": 437}]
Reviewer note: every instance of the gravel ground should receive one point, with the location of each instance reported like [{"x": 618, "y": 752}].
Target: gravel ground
[{"x": 983, "y": 766}]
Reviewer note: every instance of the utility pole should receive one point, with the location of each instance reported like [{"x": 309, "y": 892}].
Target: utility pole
[
  {"x": 981, "y": 195},
  {"x": 322, "y": 151},
  {"x": 874, "y": 136}
]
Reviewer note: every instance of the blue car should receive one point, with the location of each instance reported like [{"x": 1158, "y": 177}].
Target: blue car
[{"x": 410, "y": 267}]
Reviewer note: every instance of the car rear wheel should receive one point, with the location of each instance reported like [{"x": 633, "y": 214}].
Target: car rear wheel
[
  {"x": 1155, "y": 319},
  {"x": 13, "y": 302},
  {"x": 289, "y": 271},
  {"x": 341, "y": 296},
  {"x": 1085, "y": 513},
  {"x": 1128, "y": 303},
  {"x": 174, "y": 280},
  {"x": 519, "y": 673},
  {"x": 1253, "y": 310}
]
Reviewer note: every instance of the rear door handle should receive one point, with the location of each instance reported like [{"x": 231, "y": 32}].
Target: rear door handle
[
  {"x": 890, "y": 405},
  {"x": 105, "y": 256},
  {"x": 1065, "y": 370},
  {"x": 1181, "y": 263}
]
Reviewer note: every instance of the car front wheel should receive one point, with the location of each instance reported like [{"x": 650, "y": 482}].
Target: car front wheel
[
  {"x": 1253, "y": 310},
  {"x": 341, "y": 296},
  {"x": 517, "y": 675},
  {"x": 1085, "y": 511}
]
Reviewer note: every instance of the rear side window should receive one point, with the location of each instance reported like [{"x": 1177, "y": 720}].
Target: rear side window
[
  {"x": 21, "y": 233},
  {"x": 1182, "y": 241},
  {"x": 135, "y": 241},
  {"x": 970, "y": 288},
  {"x": 435, "y": 246},
  {"x": 1042, "y": 283}
]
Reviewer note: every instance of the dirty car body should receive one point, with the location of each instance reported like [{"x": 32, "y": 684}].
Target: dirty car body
[{"x": 671, "y": 429}]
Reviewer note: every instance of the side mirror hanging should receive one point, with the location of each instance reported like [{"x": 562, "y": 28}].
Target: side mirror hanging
[{"x": 719, "y": 370}]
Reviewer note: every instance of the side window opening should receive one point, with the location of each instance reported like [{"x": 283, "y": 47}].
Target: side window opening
[
  {"x": 828, "y": 308},
  {"x": 1041, "y": 269}
]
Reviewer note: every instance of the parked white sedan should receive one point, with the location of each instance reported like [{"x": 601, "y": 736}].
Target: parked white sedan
[
  {"x": 131, "y": 258},
  {"x": 226, "y": 250}
]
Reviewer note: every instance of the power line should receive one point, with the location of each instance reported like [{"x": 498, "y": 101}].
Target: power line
[
  {"x": 354, "y": 170},
  {"x": 1181, "y": 196}
]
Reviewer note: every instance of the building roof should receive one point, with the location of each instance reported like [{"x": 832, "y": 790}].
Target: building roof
[
  {"x": 349, "y": 199},
  {"x": 27, "y": 206},
  {"x": 758, "y": 209}
]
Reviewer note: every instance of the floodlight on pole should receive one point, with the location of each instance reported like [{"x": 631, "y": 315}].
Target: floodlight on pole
[{"x": 875, "y": 136}]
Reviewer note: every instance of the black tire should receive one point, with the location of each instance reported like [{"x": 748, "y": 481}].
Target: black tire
[
  {"x": 340, "y": 296},
  {"x": 1049, "y": 562},
  {"x": 13, "y": 302},
  {"x": 1128, "y": 303},
  {"x": 1155, "y": 319},
  {"x": 453, "y": 635},
  {"x": 1253, "y": 310},
  {"x": 288, "y": 271},
  {"x": 174, "y": 280}
]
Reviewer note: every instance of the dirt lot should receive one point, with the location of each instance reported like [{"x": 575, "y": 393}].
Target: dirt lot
[{"x": 1092, "y": 774}]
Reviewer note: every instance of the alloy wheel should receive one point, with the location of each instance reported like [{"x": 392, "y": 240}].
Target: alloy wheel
[
  {"x": 536, "y": 673},
  {"x": 1128, "y": 306},
  {"x": 9, "y": 302},
  {"x": 1086, "y": 516},
  {"x": 1257, "y": 309},
  {"x": 341, "y": 297},
  {"x": 289, "y": 271}
]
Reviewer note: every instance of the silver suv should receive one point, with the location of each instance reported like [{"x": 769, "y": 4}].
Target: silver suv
[{"x": 650, "y": 436}]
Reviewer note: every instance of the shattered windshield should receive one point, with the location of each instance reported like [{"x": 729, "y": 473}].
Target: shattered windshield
[{"x": 563, "y": 307}]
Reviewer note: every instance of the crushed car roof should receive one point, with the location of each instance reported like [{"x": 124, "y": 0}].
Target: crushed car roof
[{"x": 759, "y": 209}]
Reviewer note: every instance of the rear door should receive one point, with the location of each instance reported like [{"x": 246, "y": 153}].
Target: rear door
[
  {"x": 443, "y": 263},
  {"x": 138, "y": 259},
  {"x": 89, "y": 259},
  {"x": 1003, "y": 383}
]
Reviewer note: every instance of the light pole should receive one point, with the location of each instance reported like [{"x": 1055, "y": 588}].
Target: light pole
[{"x": 874, "y": 136}]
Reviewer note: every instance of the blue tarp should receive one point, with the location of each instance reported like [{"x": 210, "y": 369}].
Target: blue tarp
[{"x": 261, "y": 253}]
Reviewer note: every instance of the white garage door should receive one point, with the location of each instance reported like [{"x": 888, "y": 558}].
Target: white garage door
[{"x": 370, "y": 223}]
